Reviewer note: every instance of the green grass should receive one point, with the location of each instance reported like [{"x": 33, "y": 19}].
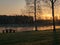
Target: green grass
[{"x": 31, "y": 38}]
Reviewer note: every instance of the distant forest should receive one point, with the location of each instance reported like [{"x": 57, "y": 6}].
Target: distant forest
[
  {"x": 15, "y": 19},
  {"x": 24, "y": 20}
]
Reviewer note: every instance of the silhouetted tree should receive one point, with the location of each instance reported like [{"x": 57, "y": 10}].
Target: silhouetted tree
[
  {"x": 35, "y": 15},
  {"x": 52, "y": 3},
  {"x": 33, "y": 6},
  {"x": 52, "y": 6}
]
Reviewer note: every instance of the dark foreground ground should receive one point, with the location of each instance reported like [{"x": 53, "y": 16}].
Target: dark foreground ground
[{"x": 31, "y": 38}]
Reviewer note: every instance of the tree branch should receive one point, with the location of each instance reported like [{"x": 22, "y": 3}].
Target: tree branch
[
  {"x": 54, "y": 1},
  {"x": 51, "y": 0}
]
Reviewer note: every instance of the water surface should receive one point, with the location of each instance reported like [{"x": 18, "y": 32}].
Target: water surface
[{"x": 29, "y": 28}]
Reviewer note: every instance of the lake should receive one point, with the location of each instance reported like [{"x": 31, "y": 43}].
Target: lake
[{"x": 19, "y": 29}]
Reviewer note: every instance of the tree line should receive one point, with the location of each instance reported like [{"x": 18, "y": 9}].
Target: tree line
[
  {"x": 25, "y": 20},
  {"x": 16, "y": 19}
]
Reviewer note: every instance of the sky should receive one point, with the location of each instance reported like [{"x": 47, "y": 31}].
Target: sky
[
  {"x": 11, "y": 6},
  {"x": 14, "y": 7}
]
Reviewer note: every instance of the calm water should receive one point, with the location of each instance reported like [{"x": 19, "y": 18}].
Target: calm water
[{"x": 28, "y": 28}]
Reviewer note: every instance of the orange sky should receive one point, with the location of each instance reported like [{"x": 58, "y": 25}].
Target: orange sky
[{"x": 13, "y": 7}]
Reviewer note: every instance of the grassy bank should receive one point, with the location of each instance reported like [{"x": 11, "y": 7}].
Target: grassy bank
[{"x": 31, "y": 38}]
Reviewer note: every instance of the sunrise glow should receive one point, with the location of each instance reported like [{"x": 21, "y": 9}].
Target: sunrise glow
[
  {"x": 48, "y": 17},
  {"x": 18, "y": 7}
]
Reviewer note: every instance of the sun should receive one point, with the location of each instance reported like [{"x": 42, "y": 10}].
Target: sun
[{"x": 46, "y": 17}]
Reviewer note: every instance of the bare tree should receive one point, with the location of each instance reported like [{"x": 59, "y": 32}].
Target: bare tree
[
  {"x": 35, "y": 15},
  {"x": 29, "y": 6},
  {"x": 33, "y": 6},
  {"x": 23, "y": 11},
  {"x": 52, "y": 4}
]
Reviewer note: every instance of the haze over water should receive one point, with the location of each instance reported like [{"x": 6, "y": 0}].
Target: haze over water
[{"x": 20, "y": 29}]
